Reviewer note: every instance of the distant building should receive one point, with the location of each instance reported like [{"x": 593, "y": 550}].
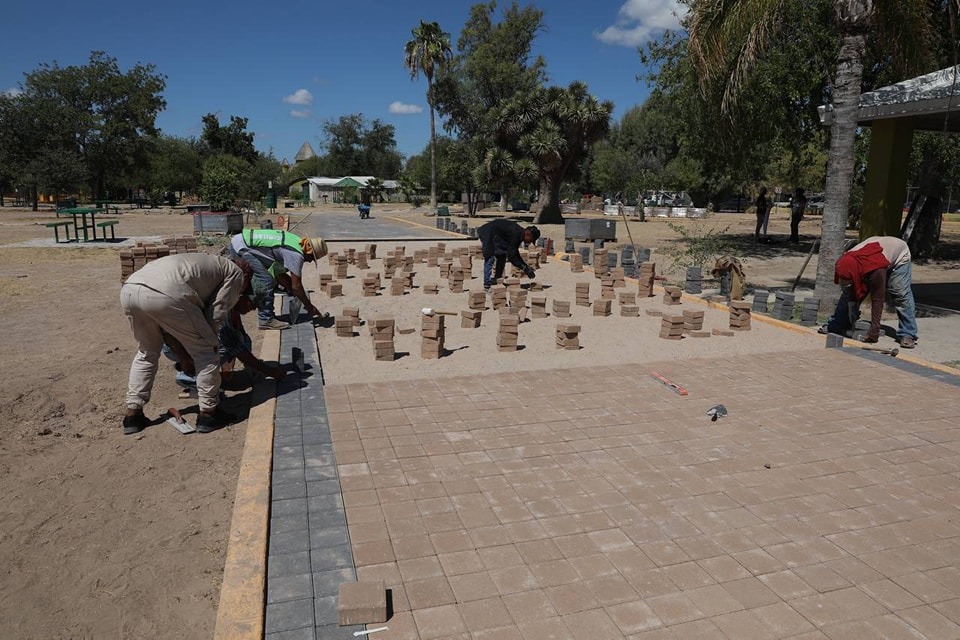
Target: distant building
[
  {"x": 306, "y": 152},
  {"x": 331, "y": 190}
]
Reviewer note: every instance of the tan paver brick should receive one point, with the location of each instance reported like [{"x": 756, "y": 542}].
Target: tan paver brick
[
  {"x": 439, "y": 622},
  {"x": 529, "y": 606}
]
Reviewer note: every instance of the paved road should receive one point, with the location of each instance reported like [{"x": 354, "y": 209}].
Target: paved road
[{"x": 334, "y": 226}]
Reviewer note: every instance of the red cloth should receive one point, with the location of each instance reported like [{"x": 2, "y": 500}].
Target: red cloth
[{"x": 855, "y": 265}]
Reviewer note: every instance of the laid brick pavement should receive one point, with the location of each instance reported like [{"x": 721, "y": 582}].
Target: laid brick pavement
[{"x": 595, "y": 503}]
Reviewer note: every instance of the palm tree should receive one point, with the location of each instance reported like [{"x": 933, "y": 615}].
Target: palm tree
[
  {"x": 427, "y": 52},
  {"x": 746, "y": 29}
]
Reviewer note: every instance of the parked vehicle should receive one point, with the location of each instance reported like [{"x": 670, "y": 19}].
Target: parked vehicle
[{"x": 815, "y": 204}]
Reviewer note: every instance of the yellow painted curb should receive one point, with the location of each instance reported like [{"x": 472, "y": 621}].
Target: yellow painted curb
[
  {"x": 426, "y": 226},
  {"x": 240, "y": 614}
]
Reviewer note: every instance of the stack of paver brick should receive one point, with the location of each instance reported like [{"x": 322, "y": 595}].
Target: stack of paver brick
[
  {"x": 498, "y": 296},
  {"x": 390, "y": 264},
  {"x": 672, "y": 295},
  {"x": 606, "y": 287},
  {"x": 576, "y": 263},
  {"x": 332, "y": 258},
  {"x": 353, "y": 313},
  {"x": 518, "y": 298},
  {"x": 136, "y": 257},
  {"x": 761, "y": 299},
  {"x": 407, "y": 277},
  {"x": 628, "y": 261},
  {"x": 809, "y": 311},
  {"x": 456, "y": 278},
  {"x": 470, "y": 319},
  {"x": 477, "y": 300},
  {"x": 538, "y": 307},
  {"x": 325, "y": 280},
  {"x": 585, "y": 255},
  {"x": 693, "y": 323},
  {"x": 783, "y": 305},
  {"x": 445, "y": 269},
  {"x": 619, "y": 276},
  {"x": 433, "y": 256},
  {"x": 629, "y": 310},
  {"x": 432, "y": 334},
  {"x": 568, "y": 336},
  {"x": 583, "y": 294},
  {"x": 628, "y": 298},
  {"x": 397, "y": 287},
  {"x": 362, "y": 260},
  {"x": 179, "y": 244},
  {"x": 371, "y": 251},
  {"x": 335, "y": 289},
  {"x": 646, "y": 275},
  {"x": 344, "y": 326},
  {"x": 561, "y": 308},
  {"x": 340, "y": 270},
  {"x": 371, "y": 284},
  {"x": 420, "y": 255},
  {"x": 431, "y": 288},
  {"x": 382, "y": 328},
  {"x": 671, "y": 327},
  {"x": 739, "y": 315},
  {"x": 694, "y": 281},
  {"x": 407, "y": 263},
  {"x": 466, "y": 263},
  {"x": 508, "y": 332},
  {"x": 602, "y": 307},
  {"x": 352, "y": 256},
  {"x": 601, "y": 266}
]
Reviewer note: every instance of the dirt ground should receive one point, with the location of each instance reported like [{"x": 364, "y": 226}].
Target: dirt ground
[{"x": 113, "y": 536}]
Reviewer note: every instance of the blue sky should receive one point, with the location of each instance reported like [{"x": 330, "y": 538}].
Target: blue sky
[{"x": 289, "y": 67}]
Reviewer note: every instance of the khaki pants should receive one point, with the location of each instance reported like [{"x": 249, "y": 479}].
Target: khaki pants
[{"x": 152, "y": 313}]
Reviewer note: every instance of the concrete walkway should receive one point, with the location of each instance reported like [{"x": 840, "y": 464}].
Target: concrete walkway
[{"x": 596, "y": 503}]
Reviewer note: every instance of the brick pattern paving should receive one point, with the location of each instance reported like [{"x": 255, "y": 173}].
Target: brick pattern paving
[
  {"x": 596, "y": 503},
  {"x": 309, "y": 552}
]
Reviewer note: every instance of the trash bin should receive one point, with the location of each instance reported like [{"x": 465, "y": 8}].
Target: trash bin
[{"x": 270, "y": 200}]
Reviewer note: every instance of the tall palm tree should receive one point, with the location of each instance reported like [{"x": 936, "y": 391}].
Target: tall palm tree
[
  {"x": 426, "y": 53},
  {"x": 746, "y": 29}
]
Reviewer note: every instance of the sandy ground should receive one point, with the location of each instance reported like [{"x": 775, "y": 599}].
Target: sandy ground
[{"x": 113, "y": 536}]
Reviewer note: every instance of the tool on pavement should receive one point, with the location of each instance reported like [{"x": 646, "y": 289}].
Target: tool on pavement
[
  {"x": 890, "y": 352},
  {"x": 675, "y": 387},
  {"x": 369, "y": 631},
  {"x": 427, "y": 311},
  {"x": 178, "y": 421},
  {"x": 293, "y": 309},
  {"x": 716, "y": 412}
]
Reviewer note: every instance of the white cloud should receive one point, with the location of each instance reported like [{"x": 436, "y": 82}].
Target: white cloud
[
  {"x": 300, "y": 96},
  {"x": 400, "y": 108},
  {"x": 300, "y": 113},
  {"x": 13, "y": 92},
  {"x": 638, "y": 20}
]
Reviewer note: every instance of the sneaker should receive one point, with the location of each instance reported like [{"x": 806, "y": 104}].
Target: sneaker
[
  {"x": 274, "y": 323},
  {"x": 823, "y": 330},
  {"x": 134, "y": 424},
  {"x": 908, "y": 342},
  {"x": 219, "y": 420}
]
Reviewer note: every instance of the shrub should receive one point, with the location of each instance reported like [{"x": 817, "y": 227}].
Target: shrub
[{"x": 697, "y": 246}]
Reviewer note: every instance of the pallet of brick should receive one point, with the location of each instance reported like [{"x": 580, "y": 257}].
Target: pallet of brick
[
  {"x": 568, "y": 336},
  {"x": 693, "y": 320},
  {"x": 371, "y": 285},
  {"x": 739, "y": 315},
  {"x": 431, "y": 336},
  {"x": 809, "y": 311},
  {"x": 508, "y": 332},
  {"x": 470, "y": 319},
  {"x": 627, "y": 298},
  {"x": 602, "y": 307},
  {"x": 576, "y": 263},
  {"x": 671, "y": 327},
  {"x": 455, "y": 279},
  {"x": 353, "y": 313},
  {"x": 361, "y": 260},
  {"x": 498, "y": 296},
  {"x": 672, "y": 295},
  {"x": 561, "y": 308},
  {"x": 538, "y": 307},
  {"x": 344, "y": 326},
  {"x": 606, "y": 287},
  {"x": 646, "y": 275},
  {"x": 583, "y": 294},
  {"x": 431, "y": 288},
  {"x": 477, "y": 300},
  {"x": 629, "y": 311},
  {"x": 761, "y": 300},
  {"x": 783, "y": 305},
  {"x": 382, "y": 329}
]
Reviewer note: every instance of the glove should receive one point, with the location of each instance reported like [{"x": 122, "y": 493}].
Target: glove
[{"x": 530, "y": 273}]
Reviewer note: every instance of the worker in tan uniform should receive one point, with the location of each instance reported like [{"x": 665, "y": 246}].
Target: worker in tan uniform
[{"x": 186, "y": 296}]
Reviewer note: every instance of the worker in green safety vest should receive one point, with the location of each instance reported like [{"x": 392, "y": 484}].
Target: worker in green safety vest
[{"x": 277, "y": 256}]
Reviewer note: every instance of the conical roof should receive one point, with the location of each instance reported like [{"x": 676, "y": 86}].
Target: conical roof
[{"x": 306, "y": 152}]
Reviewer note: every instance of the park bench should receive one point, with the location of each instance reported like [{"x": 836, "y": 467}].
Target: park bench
[
  {"x": 108, "y": 224},
  {"x": 193, "y": 208},
  {"x": 443, "y": 211},
  {"x": 56, "y": 229}
]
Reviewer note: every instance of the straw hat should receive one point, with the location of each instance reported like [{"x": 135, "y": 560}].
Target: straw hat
[{"x": 318, "y": 247}]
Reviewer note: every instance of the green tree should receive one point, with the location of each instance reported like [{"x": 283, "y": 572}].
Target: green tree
[
  {"x": 232, "y": 139},
  {"x": 174, "y": 165},
  {"x": 746, "y": 30},
  {"x": 224, "y": 177},
  {"x": 358, "y": 147},
  {"x": 428, "y": 51}
]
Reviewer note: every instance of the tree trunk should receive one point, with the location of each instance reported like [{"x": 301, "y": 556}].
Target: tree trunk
[
  {"x": 549, "y": 212},
  {"x": 503, "y": 201},
  {"x": 433, "y": 148},
  {"x": 840, "y": 163},
  {"x": 36, "y": 197}
]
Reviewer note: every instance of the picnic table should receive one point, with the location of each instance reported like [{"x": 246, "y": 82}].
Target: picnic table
[{"x": 80, "y": 224}]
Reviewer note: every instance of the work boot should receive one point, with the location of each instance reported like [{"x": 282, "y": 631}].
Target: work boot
[
  {"x": 908, "y": 342},
  {"x": 219, "y": 420},
  {"x": 274, "y": 323},
  {"x": 134, "y": 424}
]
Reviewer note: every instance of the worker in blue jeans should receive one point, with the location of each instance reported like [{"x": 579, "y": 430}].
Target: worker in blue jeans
[
  {"x": 875, "y": 267},
  {"x": 500, "y": 241}
]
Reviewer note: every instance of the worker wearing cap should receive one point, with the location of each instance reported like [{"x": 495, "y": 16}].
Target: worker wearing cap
[
  {"x": 500, "y": 241},
  {"x": 276, "y": 254},
  {"x": 878, "y": 265},
  {"x": 186, "y": 296}
]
